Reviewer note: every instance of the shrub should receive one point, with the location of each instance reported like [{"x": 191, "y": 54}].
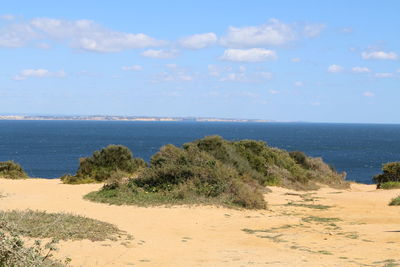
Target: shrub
[
  {"x": 395, "y": 201},
  {"x": 110, "y": 162},
  {"x": 390, "y": 185},
  {"x": 391, "y": 173},
  {"x": 12, "y": 170},
  {"x": 214, "y": 170}
]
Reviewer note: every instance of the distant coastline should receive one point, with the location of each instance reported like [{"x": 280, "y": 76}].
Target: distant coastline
[{"x": 125, "y": 118}]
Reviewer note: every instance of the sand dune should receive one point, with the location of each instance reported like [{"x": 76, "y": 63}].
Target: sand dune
[{"x": 361, "y": 228}]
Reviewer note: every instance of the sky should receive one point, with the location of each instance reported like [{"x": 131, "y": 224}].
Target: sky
[{"x": 316, "y": 61}]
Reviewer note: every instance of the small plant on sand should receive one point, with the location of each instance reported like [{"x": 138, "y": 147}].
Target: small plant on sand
[
  {"x": 395, "y": 201},
  {"x": 14, "y": 252},
  {"x": 59, "y": 226},
  {"x": 111, "y": 162},
  {"x": 11, "y": 170},
  {"x": 390, "y": 178}
]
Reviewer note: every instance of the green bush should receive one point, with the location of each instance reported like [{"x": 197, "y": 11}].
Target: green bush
[
  {"x": 214, "y": 170},
  {"x": 11, "y": 170},
  {"x": 108, "y": 163},
  {"x": 390, "y": 185},
  {"x": 395, "y": 201},
  {"x": 391, "y": 173}
]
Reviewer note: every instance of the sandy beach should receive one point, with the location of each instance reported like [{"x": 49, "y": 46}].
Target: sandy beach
[{"x": 351, "y": 228}]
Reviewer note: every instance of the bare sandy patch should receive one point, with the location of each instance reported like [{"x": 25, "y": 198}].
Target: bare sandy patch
[{"x": 354, "y": 227}]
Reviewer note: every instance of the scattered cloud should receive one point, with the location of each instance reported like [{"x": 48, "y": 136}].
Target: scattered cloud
[
  {"x": 198, "y": 41},
  {"x": 384, "y": 75},
  {"x": 347, "y": 30},
  {"x": 171, "y": 66},
  {"x": 7, "y": 17},
  {"x": 249, "y": 55},
  {"x": 335, "y": 68},
  {"x": 313, "y": 30},
  {"x": 273, "y": 92},
  {"x": 360, "y": 70},
  {"x": 132, "y": 68},
  {"x": 272, "y": 33},
  {"x": 316, "y": 104},
  {"x": 296, "y": 59},
  {"x": 298, "y": 84},
  {"x": 82, "y": 34},
  {"x": 379, "y": 55},
  {"x": 38, "y": 73},
  {"x": 368, "y": 94},
  {"x": 161, "y": 53},
  {"x": 234, "y": 77},
  {"x": 265, "y": 75}
]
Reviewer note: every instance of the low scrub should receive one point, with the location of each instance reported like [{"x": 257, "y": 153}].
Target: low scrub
[
  {"x": 395, "y": 201},
  {"x": 390, "y": 175},
  {"x": 214, "y": 170},
  {"x": 390, "y": 185},
  {"x": 111, "y": 162},
  {"x": 58, "y": 226},
  {"x": 12, "y": 170}
]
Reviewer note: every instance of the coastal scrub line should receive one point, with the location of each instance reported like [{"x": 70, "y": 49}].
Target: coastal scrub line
[
  {"x": 212, "y": 170},
  {"x": 390, "y": 178}
]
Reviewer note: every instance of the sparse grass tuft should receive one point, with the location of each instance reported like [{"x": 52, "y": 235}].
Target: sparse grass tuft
[
  {"x": 310, "y": 206},
  {"x": 320, "y": 219},
  {"x": 395, "y": 201},
  {"x": 59, "y": 226}
]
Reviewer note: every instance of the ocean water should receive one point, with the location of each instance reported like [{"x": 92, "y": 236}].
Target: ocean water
[{"x": 49, "y": 149}]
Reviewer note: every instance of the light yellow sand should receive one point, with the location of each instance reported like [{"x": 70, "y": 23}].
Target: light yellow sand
[{"x": 368, "y": 233}]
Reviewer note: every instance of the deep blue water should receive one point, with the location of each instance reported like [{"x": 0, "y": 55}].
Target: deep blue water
[{"x": 50, "y": 149}]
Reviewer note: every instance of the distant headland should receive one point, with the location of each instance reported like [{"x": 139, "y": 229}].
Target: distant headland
[{"x": 125, "y": 118}]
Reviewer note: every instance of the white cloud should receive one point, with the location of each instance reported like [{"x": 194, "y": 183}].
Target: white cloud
[
  {"x": 274, "y": 92},
  {"x": 316, "y": 104},
  {"x": 347, "y": 30},
  {"x": 171, "y": 66},
  {"x": 81, "y": 34},
  {"x": 272, "y": 33},
  {"x": 266, "y": 75},
  {"x": 313, "y": 30},
  {"x": 198, "y": 41},
  {"x": 161, "y": 54},
  {"x": 38, "y": 73},
  {"x": 7, "y": 17},
  {"x": 249, "y": 55},
  {"x": 335, "y": 68},
  {"x": 298, "y": 83},
  {"x": 17, "y": 35},
  {"x": 384, "y": 75},
  {"x": 179, "y": 76},
  {"x": 296, "y": 59},
  {"x": 379, "y": 55},
  {"x": 132, "y": 68},
  {"x": 368, "y": 94},
  {"x": 360, "y": 70},
  {"x": 234, "y": 77}
]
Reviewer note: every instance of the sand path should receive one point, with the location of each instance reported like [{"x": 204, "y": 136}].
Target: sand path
[{"x": 361, "y": 228}]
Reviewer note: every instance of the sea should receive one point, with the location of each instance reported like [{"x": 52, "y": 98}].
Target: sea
[{"x": 50, "y": 149}]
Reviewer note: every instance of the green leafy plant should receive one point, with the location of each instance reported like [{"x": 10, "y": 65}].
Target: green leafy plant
[
  {"x": 391, "y": 173},
  {"x": 11, "y": 170}
]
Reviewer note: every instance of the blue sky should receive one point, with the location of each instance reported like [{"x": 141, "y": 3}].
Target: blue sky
[{"x": 318, "y": 61}]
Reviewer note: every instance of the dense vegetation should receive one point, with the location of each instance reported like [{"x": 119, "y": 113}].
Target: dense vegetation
[
  {"x": 390, "y": 178},
  {"x": 11, "y": 170},
  {"x": 113, "y": 161},
  {"x": 214, "y": 170}
]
